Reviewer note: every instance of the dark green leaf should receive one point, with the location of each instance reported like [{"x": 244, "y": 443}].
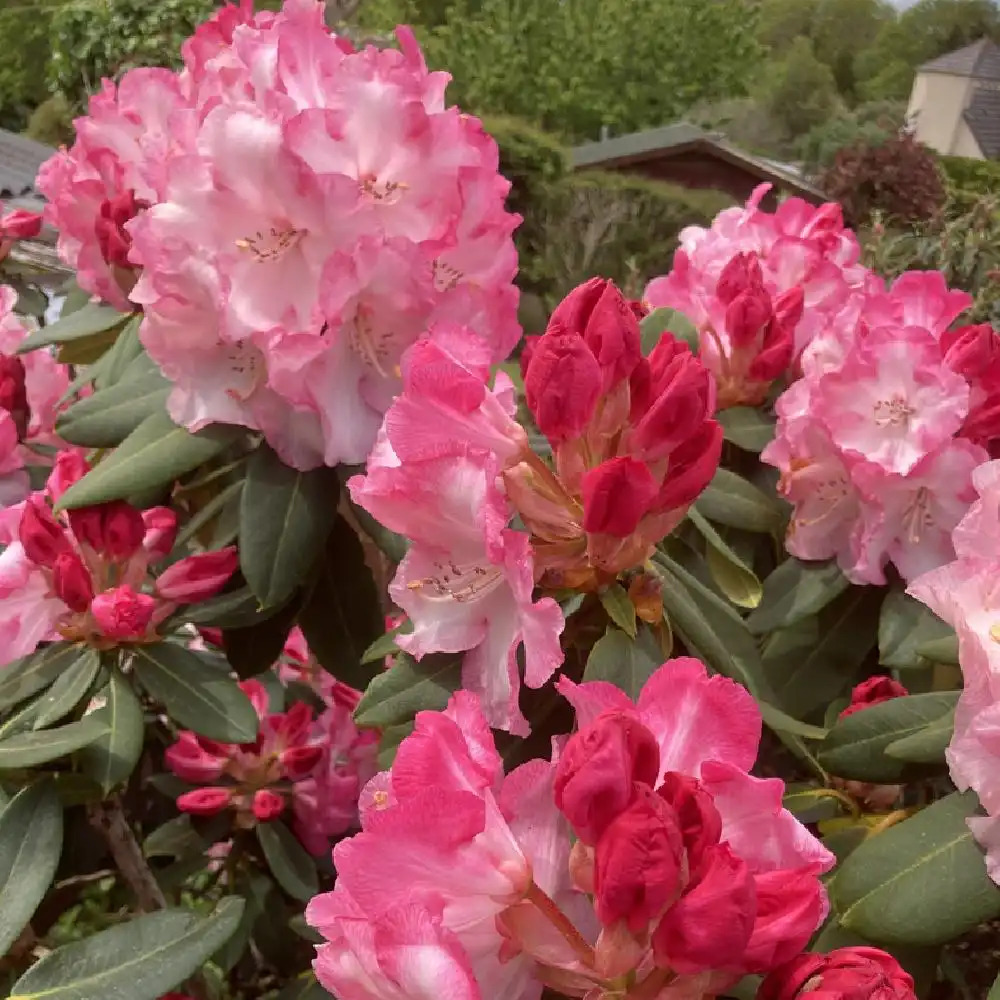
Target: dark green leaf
[
  {"x": 153, "y": 455},
  {"x": 794, "y": 591},
  {"x": 253, "y": 650},
  {"x": 811, "y": 805},
  {"x": 396, "y": 695},
  {"x": 294, "y": 869},
  {"x": 111, "y": 759},
  {"x": 105, "y": 419},
  {"x": 730, "y": 574},
  {"x": 285, "y": 517},
  {"x": 927, "y": 746},
  {"x": 855, "y": 747},
  {"x": 383, "y": 646},
  {"x": 943, "y": 650},
  {"x": 31, "y": 674},
  {"x": 138, "y": 960},
  {"x": 619, "y": 607},
  {"x": 79, "y": 325},
  {"x": 729, "y": 499},
  {"x": 746, "y": 427},
  {"x": 228, "y": 497},
  {"x": 31, "y": 840},
  {"x": 30, "y": 749},
  {"x": 389, "y": 741},
  {"x": 662, "y": 321},
  {"x": 904, "y": 626},
  {"x": 69, "y": 690},
  {"x": 626, "y": 663},
  {"x": 118, "y": 360},
  {"x": 883, "y": 888},
  {"x": 995, "y": 990},
  {"x": 782, "y": 722},
  {"x": 194, "y": 694},
  {"x": 343, "y": 616},
  {"x": 235, "y": 609},
  {"x": 305, "y": 987},
  {"x": 176, "y": 838}
]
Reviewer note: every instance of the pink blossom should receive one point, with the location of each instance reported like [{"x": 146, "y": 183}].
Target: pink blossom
[{"x": 122, "y": 614}]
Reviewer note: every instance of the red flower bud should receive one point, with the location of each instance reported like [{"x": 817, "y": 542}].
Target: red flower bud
[
  {"x": 267, "y": 805},
  {"x": 71, "y": 581},
  {"x": 109, "y": 226},
  {"x": 844, "y": 974},
  {"x": 14, "y": 394},
  {"x": 738, "y": 276},
  {"x": 709, "y": 926},
  {"x": 691, "y": 469},
  {"x": 197, "y": 577},
  {"x": 597, "y": 772},
  {"x": 790, "y": 906},
  {"x": 527, "y": 353},
  {"x": 122, "y": 614},
  {"x": 616, "y": 495},
  {"x": 205, "y": 801},
  {"x": 41, "y": 536},
  {"x": 161, "y": 531},
  {"x": 637, "y": 871},
  {"x": 562, "y": 386},
  {"x": 299, "y": 762},
  {"x": 192, "y": 761},
  {"x": 20, "y": 224},
  {"x": 699, "y": 820},
  {"x": 873, "y": 691},
  {"x": 69, "y": 468},
  {"x": 113, "y": 529},
  {"x": 747, "y": 315}
]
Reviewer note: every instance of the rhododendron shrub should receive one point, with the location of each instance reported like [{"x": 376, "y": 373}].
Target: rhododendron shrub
[{"x": 356, "y": 642}]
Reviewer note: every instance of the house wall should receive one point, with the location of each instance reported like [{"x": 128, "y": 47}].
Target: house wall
[
  {"x": 965, "y": 143},
  {"x": 935, "y": 109}
]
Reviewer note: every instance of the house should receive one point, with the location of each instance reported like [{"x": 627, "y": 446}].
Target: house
[
  {"x": 686, "y": 155},
  {"x": 955, "y": 102}
]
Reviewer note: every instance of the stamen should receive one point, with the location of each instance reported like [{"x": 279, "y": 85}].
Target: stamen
[
  {"x": 271, "y": 245},
  {"x": 458, "y": 583},
  {"x": 381, "y": 191},
  {"x": 371, "y": 346},
  {"x": 892, "y": 412}
]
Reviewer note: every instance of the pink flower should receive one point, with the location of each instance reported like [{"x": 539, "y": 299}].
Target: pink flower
[
  {"x": 845, "y": 974},
  {"x": 20, "y": 224},
  {"x": 122, "y": 614},
  {"x": 198, "y": 577}
]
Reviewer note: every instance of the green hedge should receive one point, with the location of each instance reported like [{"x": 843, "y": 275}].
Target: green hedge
[{"x": 976, "y": 176}]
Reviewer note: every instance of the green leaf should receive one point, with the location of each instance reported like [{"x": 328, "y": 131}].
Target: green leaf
[
  {"x": 927, "y": 746},
  {"x": 855, "y": 746},
  {"x": 69, "y": 689},
  {"x": 882, "y": 890},
  {"x": 174, "y": 839},
  {"x": 383, "y": 646},
  {"x": 140, "y": 960},
  {"x": 663, "y": 320},
  {"x": 285, "y": 517},
  {"x": 746, "y": 427},
  {"x": 810, "y": 805},
  {"x": 305, "y": 987},
  {"x": 31, "y": 674},
  {"x": 195, "y": 694},
  {"x": 627, "y": 663},
  {"x": 794, "y": 591},
  {"x": 31, "y": 840},
  {"x": 79, "y": 325},
  {"x": 31, "y": 749},
  {"x": 904, "y": 626},
  {"x": 782, "y": 722},
  {"x": 293, "y": 868},
  {"x": 105, "y": 419},
  {"x": 154, "y": 454},
  {"x": 235, "y": 609},
  {"x": 342, "y": 615},
  {"x": 253, "y": 650},
  {"x": 396, "y": 695},
  {"x": 731, "y": 575},
  {"x": 940, "y": 650},
  {"x": 111, "y": 759},
  {"x": 389, "y": 741},
  {"x": 619, "y": 607},
  {"x": 117, "y": 361},
  {"x": 995, "y": 990},
  {"x": 730, "y": 500}
]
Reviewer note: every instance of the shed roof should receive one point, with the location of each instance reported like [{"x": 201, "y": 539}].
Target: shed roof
[
  {"x": 980, "y": 60},
  {"x": 20, "y": 158},
  {"x": 983, "y": 118}
]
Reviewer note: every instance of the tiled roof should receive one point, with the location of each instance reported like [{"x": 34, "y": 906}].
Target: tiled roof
[
  {"x": 983, "y": 118},
  {"x": 980, "y": 60}
]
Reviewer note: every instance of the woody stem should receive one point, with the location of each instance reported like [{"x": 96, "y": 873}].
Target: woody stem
[{"x": 538, "y": 898}]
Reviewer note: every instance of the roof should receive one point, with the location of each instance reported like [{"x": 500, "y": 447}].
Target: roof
[
  {"x": 980, "y": 60},
  {"x": 983, "y": 118},
  {"x": 682, "y": 137}
]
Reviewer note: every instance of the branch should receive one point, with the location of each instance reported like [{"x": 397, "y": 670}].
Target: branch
[{"x": 108, "y": 818}]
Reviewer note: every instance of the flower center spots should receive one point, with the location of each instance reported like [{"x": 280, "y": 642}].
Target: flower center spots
[
  {"x": 371, "y": 345},
  {"x": 918, "y": 517},
  {"x": 246, "y": 367},
  {"x": 892, "y": 412},
  {"x": 380, "y": 800},
  {"x": 383, "y": 192},
  {"x": 458, "y": 583},
  {"x": 995, "y": 632},
  {"x": 272, "y": 244},
  {"x": 446, "y": 277}
]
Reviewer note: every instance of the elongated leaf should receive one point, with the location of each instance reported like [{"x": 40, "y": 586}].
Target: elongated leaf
[
  {"x": 927, "y": 746},
  {"x": 940, "y": 650},
  {"x": 881, "y": 891},
  {"x": 855, "y": 747},
  {"x": 995, "y": 990},
  {"x": 154, "y": 454},
  {"x": 69, "y": 690},
  {"x": 31, "y": 840},
  {"x": 105, "y": 419},
  {"x": 794, "y": 591},
  {"x": 782, "y": 722},
  {"x": 285, "y": 517},
  {"x": 342, "y": 615},
  {"x": 119, "y": 358},
  {"x": 384, "y": 645},
  {"x": 138, "y": 960},
  {"x": 389, "y": 742},
  {"x": 111, "y": 759},
  {"x": 294, "y": 870},
  {"x": 731, "y": 575},
  {"x": 729, "y": 499},
  {"x": 31, "y": 749},
  {"x": 252, "y": 651},
  {"x": 619, "y": 607},
  {"x": 31, "y": 674},
  {"x": 811, "y": 805},
  {"x": 306, "y": 988},
  {"x": 747, "y": 427},
  {"x": 663, "y": 321},
  {"x": 195, "y": 694},
  {"x": 904, "y": 626},
  {"x": 396, "y": 695},
  {"x": 78, "y": 325},
  {"x": 235, "y": 609},
  {"x": 625, "y": 662}
]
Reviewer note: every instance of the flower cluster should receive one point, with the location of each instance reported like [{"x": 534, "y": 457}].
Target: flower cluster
[
  {"x": 966, "y": 594},
  {"x": 844, "y": 974},
  {"x": 291, "y": 215},
  {"x": 315, "y": 765},
  {"x": 687, "y": 872},
  {"x": 85, "y": 575}
]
